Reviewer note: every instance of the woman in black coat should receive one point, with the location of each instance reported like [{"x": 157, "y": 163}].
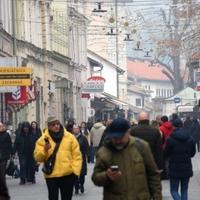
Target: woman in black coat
[
  {"x": 180, "y": 147},
  {"x": 84, "y": 146},
  {"x": 24, "y": 146}
]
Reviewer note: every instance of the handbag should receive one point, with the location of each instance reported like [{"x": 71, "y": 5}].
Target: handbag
[
  {"x": 49, "y": 163},
  {"x": 10, "y": 167}
]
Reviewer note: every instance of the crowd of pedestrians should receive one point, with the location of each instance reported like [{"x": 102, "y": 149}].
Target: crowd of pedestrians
[{"x": 130, "y": 159}]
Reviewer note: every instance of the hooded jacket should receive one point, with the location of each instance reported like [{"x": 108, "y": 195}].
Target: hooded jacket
[
  {"x": 96, "y": 133},
  {"x": 25, "y": 142},
  {"x": 68, "y": 157},
  {"x": 180, "y": 147},
  {"x": 139, "y": 179}
]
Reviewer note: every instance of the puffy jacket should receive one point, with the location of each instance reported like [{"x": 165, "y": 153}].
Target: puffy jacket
[
  {"x": 68, "y": 157},
  {"x": 96, "y": 133},
  {"x": 180, "y": 147},
  {"x": 139, "y": 179}
]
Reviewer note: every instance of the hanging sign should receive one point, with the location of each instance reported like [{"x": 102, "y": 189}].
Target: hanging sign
[
  {"x": 19, "y": 96},
  {"x": 94, "y": 84}
]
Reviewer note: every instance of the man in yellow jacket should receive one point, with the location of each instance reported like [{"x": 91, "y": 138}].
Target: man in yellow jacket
[{"x": 68, "y": 159}]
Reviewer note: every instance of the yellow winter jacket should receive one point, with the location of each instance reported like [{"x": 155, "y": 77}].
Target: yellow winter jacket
[{"x": 68, "y": 157}]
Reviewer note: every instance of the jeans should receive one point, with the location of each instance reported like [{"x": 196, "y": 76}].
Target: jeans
[
  {"x": 64, "y": 184},
  {"x": 174, "y": 186}
]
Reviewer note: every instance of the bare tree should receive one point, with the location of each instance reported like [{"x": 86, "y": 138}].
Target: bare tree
[{"x": 178, "y": 40}]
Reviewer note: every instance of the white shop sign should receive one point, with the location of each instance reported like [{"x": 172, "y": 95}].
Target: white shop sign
[
  {"x": 8, "y": 89},
  {"x": 94, "y": 84}
]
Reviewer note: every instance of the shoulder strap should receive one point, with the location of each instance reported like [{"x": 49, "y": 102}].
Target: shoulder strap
[
  {"x": 56, "y": 149},
  {"x": 138, "y": 145}
]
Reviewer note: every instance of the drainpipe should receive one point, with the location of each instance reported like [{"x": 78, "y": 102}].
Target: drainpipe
[
  {"x": 14, "y": 28},
  {"x": 44, "y": 47}
]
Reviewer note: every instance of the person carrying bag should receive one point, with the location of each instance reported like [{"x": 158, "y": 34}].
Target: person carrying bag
[
  {"x": 60, "y": 153},
  {"x": 49, "y": 164}
]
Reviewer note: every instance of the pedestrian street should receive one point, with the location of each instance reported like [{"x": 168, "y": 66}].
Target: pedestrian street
[{"x": 39, "y": 191}]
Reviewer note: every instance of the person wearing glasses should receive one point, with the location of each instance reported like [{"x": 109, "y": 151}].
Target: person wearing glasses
[{"x": 67, "y": 163}]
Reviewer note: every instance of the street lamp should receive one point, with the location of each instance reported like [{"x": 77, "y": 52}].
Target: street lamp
[{"x": 99, "y": 9}]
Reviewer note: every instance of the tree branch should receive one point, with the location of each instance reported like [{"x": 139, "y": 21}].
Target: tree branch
[
  {"x": 171, "y": 78},
  {"x": 165, "y": 65},
  {"x": 165, "y": 19}
]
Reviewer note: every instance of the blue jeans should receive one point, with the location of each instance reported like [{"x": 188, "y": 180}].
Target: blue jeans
[{"x": 174, "y": 186}]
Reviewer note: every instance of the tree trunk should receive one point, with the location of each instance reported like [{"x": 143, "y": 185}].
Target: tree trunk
[{"x": 178, "y": 81}]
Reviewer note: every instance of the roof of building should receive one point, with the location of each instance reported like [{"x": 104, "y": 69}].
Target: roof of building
[{"x": 144, "y": 70}]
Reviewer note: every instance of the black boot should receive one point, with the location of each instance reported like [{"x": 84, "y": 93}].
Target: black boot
[
  {"x": 22, "y": 181},
  {"x": 82, "y": 189}
]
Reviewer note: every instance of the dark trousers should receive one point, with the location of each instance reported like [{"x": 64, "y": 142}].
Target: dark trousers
[
  {"x": 3, "y": 187},
  {"x": 174, "y": 186},
  {"x": 27, "y": 169},
  {"x": 79, "y": 182},
  {"x": 64, "y": 184}
]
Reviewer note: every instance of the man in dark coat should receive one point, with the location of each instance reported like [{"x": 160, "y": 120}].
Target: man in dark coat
[
  {"x": 84, "y": 146},
  {"x": 125, "y": 166},
  {"x": 5, "y": 152},
  {"x": 150, "y": 135},
  {"x": 180, "y": 147},
  {"x": 24, "y": 146}
]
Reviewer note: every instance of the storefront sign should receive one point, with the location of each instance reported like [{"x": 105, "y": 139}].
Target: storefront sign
[
  {"x": 15, "y": 76},
  {"x": 85, "y": 95},
  {"x": 94, "y": 84},
  {"x": 19, "y": 96}
]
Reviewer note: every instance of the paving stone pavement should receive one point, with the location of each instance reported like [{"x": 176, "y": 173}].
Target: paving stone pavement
[{"x": 38, "y": 191}]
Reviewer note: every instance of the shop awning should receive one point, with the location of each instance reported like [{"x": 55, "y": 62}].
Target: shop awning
[{"x": 113, "y": 100}]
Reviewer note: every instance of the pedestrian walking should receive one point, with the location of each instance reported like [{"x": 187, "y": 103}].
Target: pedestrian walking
[
  {"x": 83, "y": 142},
  {"x": 59, "y": 150},
  {"x": 5, "y": 153},
  {"x": 167, "y": 129},
  {"x": 180, "y": 147},
  {"x": 24, "y": 146},
  {"x": 195, "y": 132},
  {"x": 85, "y": 132},
  {"x": 35, "y": 129},
  {"x": 151, "y": 135},
  {"x": 96, "y": 134},
  {"x": 125, "y": 166}
]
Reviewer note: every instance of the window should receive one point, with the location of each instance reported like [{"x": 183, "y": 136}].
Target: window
[{"x": 138, "y": 102}]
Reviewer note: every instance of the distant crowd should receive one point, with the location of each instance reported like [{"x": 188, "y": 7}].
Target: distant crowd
[{"x": 130, "y": 158}]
